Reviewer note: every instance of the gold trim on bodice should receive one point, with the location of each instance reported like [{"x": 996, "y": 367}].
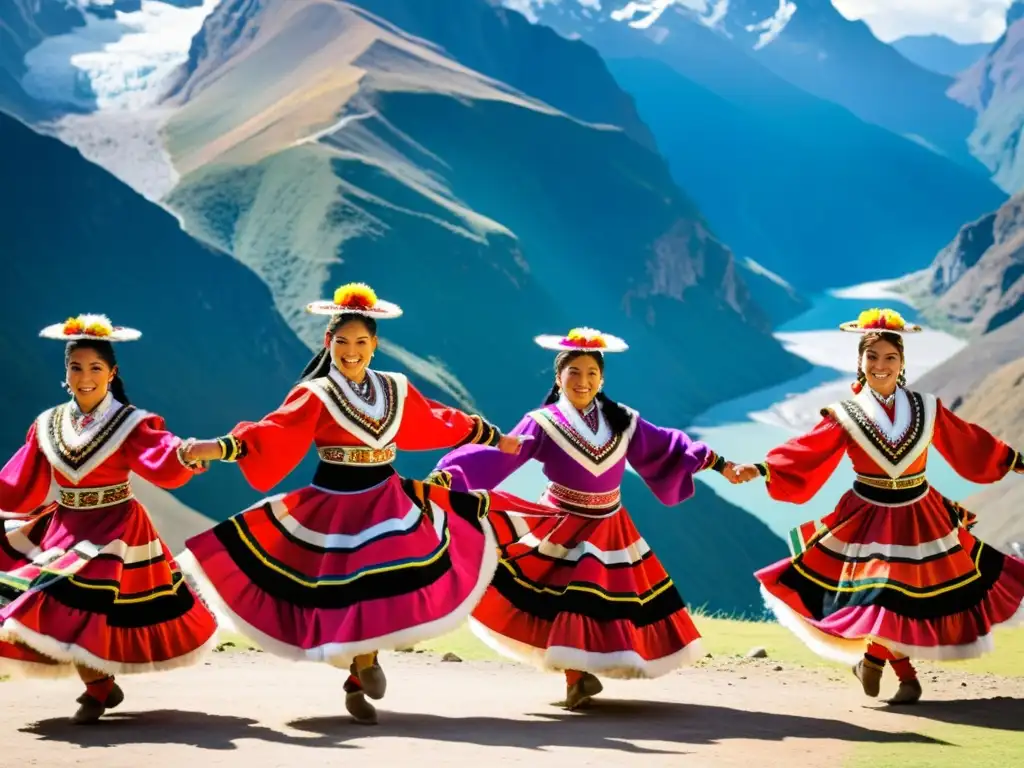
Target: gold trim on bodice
[
  {"x": 360, "y": 455},
  {"x": 95, "y": 498},
  {"x": 893, "y": 483}
]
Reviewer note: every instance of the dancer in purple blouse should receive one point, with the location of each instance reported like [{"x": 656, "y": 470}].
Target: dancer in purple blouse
[{"x": 581, "y": 592}]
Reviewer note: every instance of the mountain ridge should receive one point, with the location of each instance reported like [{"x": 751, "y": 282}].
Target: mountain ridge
[
  {"x": 720, "y": 114},
  {"x": 940, "y": 54},
  {"x": 809, "y": 44},
  {"x": 377, "y": 138},
  {"x": 994, "y": 88}
]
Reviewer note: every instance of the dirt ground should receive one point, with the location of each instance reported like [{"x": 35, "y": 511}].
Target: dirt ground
[{"x": 249, "y": 709}]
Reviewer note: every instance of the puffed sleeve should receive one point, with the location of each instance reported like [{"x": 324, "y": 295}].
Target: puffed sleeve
[
  {"x": 481, "y": 467},
  {"x": 428, "y": 425},
  {"x": 667, "y": 460},
  {"x": 797, "y": 469},
  {"x": 152, "y": 454},
  {"x": 975, "y": 454},
  {"x": 25, "y": 478},
  {"x": 269, "y": 449}
]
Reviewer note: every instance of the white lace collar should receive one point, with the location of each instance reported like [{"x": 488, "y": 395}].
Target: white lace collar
[
  {"x": 107, "y": 407},
  {"x": 573, "y": 416}
]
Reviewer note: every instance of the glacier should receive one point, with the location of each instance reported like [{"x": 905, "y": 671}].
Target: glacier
[{"x": 117, "y": 63}]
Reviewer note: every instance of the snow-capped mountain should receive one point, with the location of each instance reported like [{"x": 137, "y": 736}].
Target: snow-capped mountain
[{"x": 807, "y": 42}]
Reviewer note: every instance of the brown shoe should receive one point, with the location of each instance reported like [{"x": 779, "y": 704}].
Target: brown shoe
[
  {"x": 580, "y": 692},
  {"x": 373, "y": 681},
  {"x": 362, "y": 711},
  {"x": 91, "y": 709},
  {"x": 870, "y": 677},
  {"x": 909, "y": 692}
]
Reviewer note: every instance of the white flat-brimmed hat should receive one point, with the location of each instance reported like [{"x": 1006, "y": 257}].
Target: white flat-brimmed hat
[
  {"x": 582, "y": 340},
  {"x": 93, "y": 327},
  {"x": 358, "y": 298}
]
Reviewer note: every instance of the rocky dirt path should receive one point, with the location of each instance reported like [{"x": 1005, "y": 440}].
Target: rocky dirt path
[{"x": 250, "y": 709}]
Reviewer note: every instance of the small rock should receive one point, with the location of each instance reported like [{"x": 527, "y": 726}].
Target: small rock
[
  {"x": 776, "y": 668},
  {"x": 963, "y": 685},
  {"x": 757, "y": 653},
  {"x": 408, "y": 649},
  {"x": 450, "y": 657}
]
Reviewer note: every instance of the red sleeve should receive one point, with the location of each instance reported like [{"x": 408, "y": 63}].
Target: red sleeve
[
  {"x": 25, "y": 478},
  {"x": 796, "y": 470},
  {"x": 275, "y": 445},
  {"x": 428, "y": 425},
  {"x": 973, "y": 452},
  {"x": 152, "y": 453}
]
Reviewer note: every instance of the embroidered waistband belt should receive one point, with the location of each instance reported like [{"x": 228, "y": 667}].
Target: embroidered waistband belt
[
  {"x": 893, "y": 483},
  {"x": 93, "y": 498},
  {"x": 582, "y": 503},
  {"x": 358, "y": 455}
]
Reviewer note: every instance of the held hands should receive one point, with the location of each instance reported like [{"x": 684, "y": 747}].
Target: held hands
[
  {"x": 202, "y": 450},
  {"x": 512, "y": 444},
  {"x": 740, "y": 473},
  {"x": 188, "y": 456}
]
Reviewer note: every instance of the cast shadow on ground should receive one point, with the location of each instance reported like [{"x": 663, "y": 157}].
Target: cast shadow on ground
[
  {"x": 608, "y": 724},
  {"x": 169, "y": 726},
  {"x": 1003, "y": 713}
]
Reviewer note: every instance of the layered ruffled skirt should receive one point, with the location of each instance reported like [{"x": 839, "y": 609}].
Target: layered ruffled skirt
[
  {"x": 97, "y": 588},
  {"x": 321, "y": 575},
  {"x": 911, "y": 577},
  {"x": 587, "y": 594}
]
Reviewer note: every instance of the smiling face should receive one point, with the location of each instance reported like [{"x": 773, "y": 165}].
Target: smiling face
[
  {"x": 882, "y": 361},
  {"x": 579, "y": 377},
  {"x": 89, "y": 377},
  {"x": 352, "y": 346}
]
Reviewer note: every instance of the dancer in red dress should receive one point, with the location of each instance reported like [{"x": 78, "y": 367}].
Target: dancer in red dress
[
  {"x": 86, "y": 583},
  {"x": 893, "y": 572},
  {"x": 582, "y": 593},
  {"x": 361, "y": 559}
]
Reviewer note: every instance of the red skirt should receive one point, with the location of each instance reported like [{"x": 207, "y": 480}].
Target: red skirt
[
  {"x": 911, "y": 577},
  {"x": 587, "y": 594},
  {"x": 318, "y": 575},
  {"x": 97, "y": 588}
]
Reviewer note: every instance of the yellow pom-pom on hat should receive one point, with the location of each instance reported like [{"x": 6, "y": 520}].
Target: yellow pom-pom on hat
[{"x": 358, "y": 298}]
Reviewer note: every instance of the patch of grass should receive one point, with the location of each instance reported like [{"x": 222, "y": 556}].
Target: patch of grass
[
  {"x": 232, "y": 642},
  {"x": 731, "y": 637},
  {"x": 727, "y": 637},
  {"x": 964, "y": 745}
]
